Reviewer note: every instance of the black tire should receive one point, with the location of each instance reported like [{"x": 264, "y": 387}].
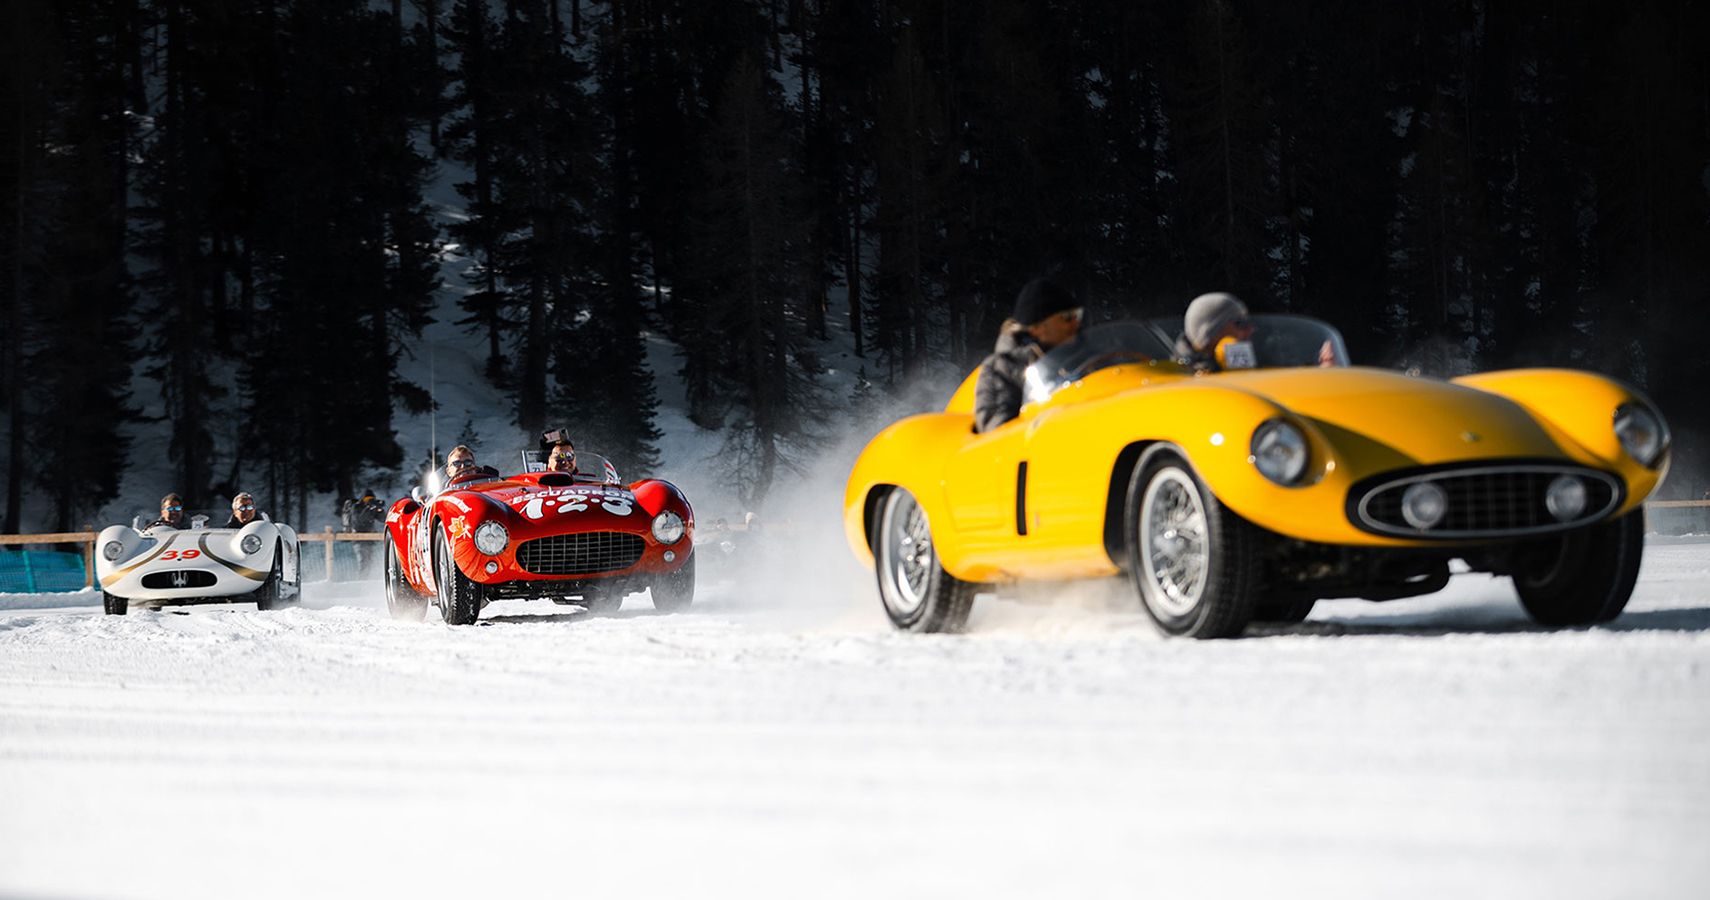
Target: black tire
[
  {"x": 402, "y": 601},
  {"x": 115, "y": 606},
  {"x": 1585, "y": 576},
  {"x": 1283, "y": 612},
  {"x": 1205, "y": 593},
  {"x": 604, "y": 597},
  {"x": 918, "y": 595},
  {"x": 459, "y": 596},
  {"x": 674, "y": 591},
  {"x": 270, "y": 596}
]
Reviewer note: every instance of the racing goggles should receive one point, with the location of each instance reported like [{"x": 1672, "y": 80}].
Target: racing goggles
[
  {"x": 562, "y": 458},
  {"x": 461, "y": 463},
  {"x": 172, "y": 509},
  {"x": 247, "y": 507}
]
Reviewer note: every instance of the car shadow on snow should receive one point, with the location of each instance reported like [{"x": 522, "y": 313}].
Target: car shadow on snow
[
  {"x": 570, "y": 614},
  {"x": 1448, "y": 622}
]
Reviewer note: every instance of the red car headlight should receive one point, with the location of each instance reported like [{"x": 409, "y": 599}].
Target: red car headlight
[{"x": 491, "y": 538}]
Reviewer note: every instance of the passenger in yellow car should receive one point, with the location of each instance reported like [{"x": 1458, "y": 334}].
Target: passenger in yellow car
[
  {"x": 1046, "y": 314},
  {"x": 1215, "y": 318},
  {"x": 1211, "y": 318}
]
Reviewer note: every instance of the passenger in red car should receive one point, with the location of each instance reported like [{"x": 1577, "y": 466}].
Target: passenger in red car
[{"x": 562, "y": 458}]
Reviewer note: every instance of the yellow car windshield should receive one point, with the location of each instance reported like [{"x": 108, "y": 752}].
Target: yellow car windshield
[
  {"x": 1096, "y": 347},
  {"x": 1278, "y": 341}
]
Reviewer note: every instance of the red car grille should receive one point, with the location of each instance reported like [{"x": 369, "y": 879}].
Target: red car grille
[{"x": 581, "y": 554}]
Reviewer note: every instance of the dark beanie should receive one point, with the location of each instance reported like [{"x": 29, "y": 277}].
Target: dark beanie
[{"x": 1041, "y": 299}]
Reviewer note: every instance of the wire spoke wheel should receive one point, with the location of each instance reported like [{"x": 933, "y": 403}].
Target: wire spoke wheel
[
  {"x": 1195, "y": 563},
  {"x": 917, "y": 593},
  {"x": 1177, "y": 547},
  {"x": 908, "y": 540},
  {"x": 402, "y": 601}
]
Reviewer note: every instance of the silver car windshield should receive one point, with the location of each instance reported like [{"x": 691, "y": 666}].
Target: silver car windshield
[
  {"x": 1282, "y": 341},
  {"x": 1096, "y": 347}
]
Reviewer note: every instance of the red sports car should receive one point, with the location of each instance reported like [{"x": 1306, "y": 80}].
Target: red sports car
[{"x": 584, "y": 538}]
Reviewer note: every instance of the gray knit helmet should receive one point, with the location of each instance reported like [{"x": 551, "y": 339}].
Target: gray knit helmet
[{"x": 1208, "y": 314}]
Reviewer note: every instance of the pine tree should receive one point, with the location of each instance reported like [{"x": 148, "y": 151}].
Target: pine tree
[{"x": 749, "y": 261}]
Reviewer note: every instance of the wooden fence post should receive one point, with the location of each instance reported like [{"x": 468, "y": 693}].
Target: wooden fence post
[
  {"x": 89, "y": 558},
  {"x": 329, "y": 552}
]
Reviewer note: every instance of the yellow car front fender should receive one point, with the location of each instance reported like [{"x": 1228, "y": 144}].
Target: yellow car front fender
[{"x": 1580, "y": 408}]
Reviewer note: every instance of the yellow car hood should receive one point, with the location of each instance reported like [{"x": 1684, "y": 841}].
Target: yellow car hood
[{"x": 1421, "y": 421}]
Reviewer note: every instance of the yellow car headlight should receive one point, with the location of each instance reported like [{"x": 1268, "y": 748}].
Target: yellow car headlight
[
  {"x": 1279, "y": 452},
  {"x": 1641, "y": 432}
]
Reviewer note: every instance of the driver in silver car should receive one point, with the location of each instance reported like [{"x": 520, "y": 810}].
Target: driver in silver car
[{"x": 1046, "y": 315}]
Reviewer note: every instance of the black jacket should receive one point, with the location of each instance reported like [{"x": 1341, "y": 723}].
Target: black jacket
[
  {"x": 997, "y": 395},
  {"x": 1199, "y": 361},
  {"x": 232, "y": 522}
]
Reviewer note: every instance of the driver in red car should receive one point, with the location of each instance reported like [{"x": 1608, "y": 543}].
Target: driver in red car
[{"x": 460, "y": 466}]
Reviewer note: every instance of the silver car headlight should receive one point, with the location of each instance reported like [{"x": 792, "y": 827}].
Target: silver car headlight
[
  {"x": 491, "y": 538},
  {"x": 1279, "y": 451},
  {"x": 1641, "y": 432},
  {"x": 251, "y": 544},
  {"x": 112, "y": 551},
  {"x": 1424, "y": 505},
  {"x": 667, "y": 527}
]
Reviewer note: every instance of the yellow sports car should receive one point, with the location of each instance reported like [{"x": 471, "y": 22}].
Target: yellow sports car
[{"x": 1251, "y": 492}]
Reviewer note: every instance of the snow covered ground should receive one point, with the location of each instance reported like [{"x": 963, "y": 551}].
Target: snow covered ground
[{"x": 779, "y": 740}]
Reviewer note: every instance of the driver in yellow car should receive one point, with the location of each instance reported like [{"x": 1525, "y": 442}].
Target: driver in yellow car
[{"x": 1046, "y": 315}]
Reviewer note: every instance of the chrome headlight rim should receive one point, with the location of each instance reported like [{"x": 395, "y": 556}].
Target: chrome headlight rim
[
  {"x": 1287, "y": 467},
  {"x": 251, "y": 544},
  {"x": 1424, "y": 505},
  {"x": 668, "y": 528},
  {"x": 112, "y": 550},
  {"x": 1566, "y": 498},
  {"x": 491, "y": 538},
  {"x": 1647, "y": 453}
]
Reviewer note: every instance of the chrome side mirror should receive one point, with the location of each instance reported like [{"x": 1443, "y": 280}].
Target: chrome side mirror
[{"x": 417, "y": 495}]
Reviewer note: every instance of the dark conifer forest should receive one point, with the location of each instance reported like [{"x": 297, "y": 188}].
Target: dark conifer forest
[{"x": 224, "y": 201}]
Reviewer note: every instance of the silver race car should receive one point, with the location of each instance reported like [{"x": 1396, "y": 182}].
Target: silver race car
[{"x": 155, "y": 566}]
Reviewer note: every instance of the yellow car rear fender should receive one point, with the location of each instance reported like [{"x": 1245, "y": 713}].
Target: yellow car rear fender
[{"x": 910, "y": 454}]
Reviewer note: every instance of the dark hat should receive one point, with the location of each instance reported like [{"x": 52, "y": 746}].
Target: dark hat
[{"x": 1041, "y": 299}]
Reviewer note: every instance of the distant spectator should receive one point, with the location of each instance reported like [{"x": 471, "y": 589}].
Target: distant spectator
[
  {"x": 171, "y": 512},
  {"x": 363, "y": 515},
  {"x": 243, "y": 510}
]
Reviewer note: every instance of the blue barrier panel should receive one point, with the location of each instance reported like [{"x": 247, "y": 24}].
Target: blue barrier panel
[
  {"x": 352, "y": 560},
  {"x": 40, "y": 571}
]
